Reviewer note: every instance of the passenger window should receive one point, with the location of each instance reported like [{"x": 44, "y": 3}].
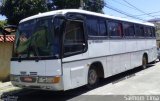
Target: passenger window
[
  {"x": 74, "y": 41},
  {"x": 115, "y": 29},
  {"x": 128, "y": 29},
  {"x": 92, "y": 26},
  {"x": 102, "y": 28},
  {"x": 140, "y": 31},
  {"x": 148, "y": 31}
]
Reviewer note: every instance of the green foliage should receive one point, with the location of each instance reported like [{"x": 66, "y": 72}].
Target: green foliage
[
  {"x": 3, "y": 23},
  {"x": 15, "y": 10},
  {"x": 94, "y": 5},
  {"x": 157, "y": 25},
  {"x": 67, "y": 4},
  {"x": 90, "y": 5}
]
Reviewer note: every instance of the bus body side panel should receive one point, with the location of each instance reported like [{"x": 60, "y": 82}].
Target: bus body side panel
[
  {"x": 75, "y": 68},
  {"x": 99, "y": 50},
  {"x": 141, "y": 44},
  {"x": 131, "y": 45},
  {"x": 117, "y": 59},
  {"x": 117, "y": 46},
  {"x": 153, "y": 50},
  {"x": 149, "y": 43},
  {"x": 75, "y": 71},
  {"x": 136, "y": 59},
  {"x": 152, "y": 54}
]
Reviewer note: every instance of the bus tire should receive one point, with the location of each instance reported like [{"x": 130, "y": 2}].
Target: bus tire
[
  {"x": 93, "y": 78},
  {"x": 144, "y": 62}
]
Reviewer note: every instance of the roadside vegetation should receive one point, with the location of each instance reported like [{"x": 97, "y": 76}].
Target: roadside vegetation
[
  {"x": 3, "y": 23},
  {"x": 15, "y": 10},
  {"x": 158, "y": 29}
]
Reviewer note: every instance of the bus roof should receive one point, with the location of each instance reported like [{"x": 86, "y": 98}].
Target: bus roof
[{"x": 63, "y": 12}]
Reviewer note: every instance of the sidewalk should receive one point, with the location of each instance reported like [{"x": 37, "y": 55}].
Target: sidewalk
[
  {"x": 4, "y": 84},
  {"x": 7, "y": 87}
]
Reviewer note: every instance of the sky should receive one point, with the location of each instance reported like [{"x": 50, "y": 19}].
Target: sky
[{"x": 139, "y": 7}]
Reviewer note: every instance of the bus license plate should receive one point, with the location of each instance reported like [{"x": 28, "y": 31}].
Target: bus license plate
[{"x": 28, "y": 79}]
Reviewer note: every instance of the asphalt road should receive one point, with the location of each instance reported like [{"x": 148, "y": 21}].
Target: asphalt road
[{"x": 134, "y": 82}]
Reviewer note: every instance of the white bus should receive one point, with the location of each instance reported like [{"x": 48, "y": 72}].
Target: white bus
[{"x": 66, "y": 49}]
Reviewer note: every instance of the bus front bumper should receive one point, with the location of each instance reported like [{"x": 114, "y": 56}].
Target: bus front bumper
[{"x": 38, "y": 82}]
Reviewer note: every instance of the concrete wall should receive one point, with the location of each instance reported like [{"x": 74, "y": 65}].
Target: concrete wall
[{"x": 5, "y": 55}]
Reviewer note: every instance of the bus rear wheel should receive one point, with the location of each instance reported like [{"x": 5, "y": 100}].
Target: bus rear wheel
[
  {"x": 93, "y": 78},
  {"x": 144, "y": 62}
]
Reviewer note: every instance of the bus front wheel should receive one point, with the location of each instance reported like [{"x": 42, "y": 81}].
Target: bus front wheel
[{"x": 93, "y": 78}]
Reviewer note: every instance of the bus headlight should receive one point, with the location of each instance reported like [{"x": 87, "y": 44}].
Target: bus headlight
[
  {"x": 14, "y": 78},
  {"x": 55, "y": 79}
]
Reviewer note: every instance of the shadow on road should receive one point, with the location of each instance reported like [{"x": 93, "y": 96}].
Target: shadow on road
[{"x": 38, "y": 95}]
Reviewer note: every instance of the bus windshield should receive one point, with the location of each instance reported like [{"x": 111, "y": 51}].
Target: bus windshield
[{"x": 38, "y": 38}]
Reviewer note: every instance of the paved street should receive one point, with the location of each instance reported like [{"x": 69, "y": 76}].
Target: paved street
[
  {"x": 133, "y": 82},
  {"x": 143, "y": 82}
]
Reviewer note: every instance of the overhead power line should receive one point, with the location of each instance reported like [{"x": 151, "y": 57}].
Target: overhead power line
[
  {"x": 149, "y": 13},
  {"x": 133, "y": 7},
  {"x": 118, "y": 2},
  {"x": 119, "y": 11},
  {"x": 138, "y": 9},
  {"x": 122, "y": 12}
]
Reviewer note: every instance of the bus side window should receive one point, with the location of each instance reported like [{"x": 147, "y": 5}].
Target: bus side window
[
  {"x": 102, "y": 28},
  {"x": 140, "y": 31},
  {"x": 74, "y": 40},
  {"x": 92, "y": 26},
  {"x": 128, "y": 29},
  {"x": 148, "y": 32},
  {"x": 115, "y": 29}
]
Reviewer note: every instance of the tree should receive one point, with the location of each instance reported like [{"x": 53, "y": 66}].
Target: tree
[
  {"x": 2, "y": 23},
  {"x": 63, "y": 4},
  {"x": 91, "y": 5},
  {"x": 15, "y": 10},
  {"x": 94, "y": 5}
]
